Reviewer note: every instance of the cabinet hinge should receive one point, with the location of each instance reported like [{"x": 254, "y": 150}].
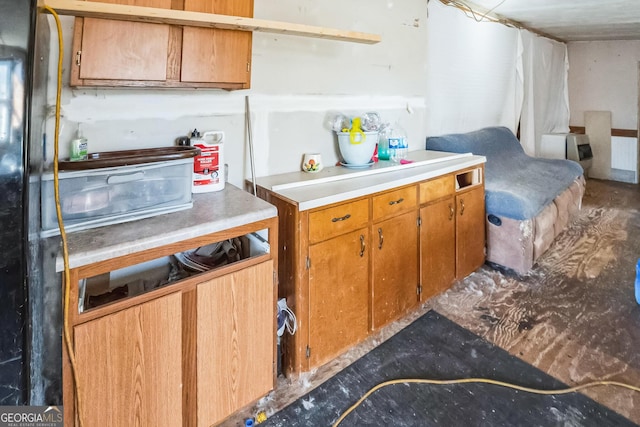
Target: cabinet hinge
[
  {"x": 419, "y": 221},
  {"x": 308, "y": 353},
  {"x": 419, "y": 289},
  {"x": 78, "y": 56},
  {"x": 275, "y": 277},
  {"x": 308, "y": 263},
  {"x": 248, "y": 66}
]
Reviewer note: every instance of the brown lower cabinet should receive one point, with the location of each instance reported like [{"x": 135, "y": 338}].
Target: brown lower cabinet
[
  {"x": 338, "y": 295},
  {"x": 128, "y": 368},
  {"x": 350, "y": 268},
  {"x": 234, "y": 349},
  {"x": 394, "y": 249},
  {"x": 438, "y": 244},
  {"x": 452, "y": 234},
  {"x": 470, "y": 231},
  {"x": 190, "y": 353}
]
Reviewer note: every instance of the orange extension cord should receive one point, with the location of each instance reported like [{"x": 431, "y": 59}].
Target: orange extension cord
[
  {"x": 485, "y": 381},
  {"x": 63, "y": 235}
]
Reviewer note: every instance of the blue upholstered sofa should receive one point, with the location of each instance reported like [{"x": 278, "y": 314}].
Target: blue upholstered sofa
[{"x": 528, "y": 200}]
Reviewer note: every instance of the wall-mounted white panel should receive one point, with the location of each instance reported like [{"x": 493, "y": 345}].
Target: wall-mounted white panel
[{"x": 624, "y": 153}]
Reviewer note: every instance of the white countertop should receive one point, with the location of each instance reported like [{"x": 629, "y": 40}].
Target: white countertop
[
  {"x": 211, "y": 212},
  {"x": 338, "y": 183}
]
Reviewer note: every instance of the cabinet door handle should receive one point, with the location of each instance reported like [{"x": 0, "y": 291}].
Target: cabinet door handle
[
  {"x": 380, "y": 238},
  {"x": 362, "y": 245},
  {"x": 395, "y": 202},
  {"x": 342, "y": 218},
  {"x": 461, "y": 207},
  {"x": 451, "y": 211}
]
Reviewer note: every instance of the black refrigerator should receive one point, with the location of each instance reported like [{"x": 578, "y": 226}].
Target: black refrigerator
[{"x": 24, "y": 54}]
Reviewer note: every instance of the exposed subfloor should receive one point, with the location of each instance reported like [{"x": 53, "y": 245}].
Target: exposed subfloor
[{"x": 574, "y": 316}]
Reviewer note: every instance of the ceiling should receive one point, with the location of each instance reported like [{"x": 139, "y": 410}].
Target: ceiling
[{"x": 570, "y": 20}]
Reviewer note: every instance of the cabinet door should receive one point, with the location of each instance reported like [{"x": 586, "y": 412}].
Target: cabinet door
[
  {"x": 338, "y": 290},
  {"x": 395, "y": 268},
  {"x": 130, "y": 367},
  {"x": 215, "y": 55},
  {"x": 235, "y": 341},
  {"x": 438, "y": 246},
  {"x": 470, "y": 231},
  {"x": 121, "y": 50}
]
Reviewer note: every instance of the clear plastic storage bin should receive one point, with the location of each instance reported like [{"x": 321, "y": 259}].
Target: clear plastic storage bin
[{"x": 102, "y": 196}]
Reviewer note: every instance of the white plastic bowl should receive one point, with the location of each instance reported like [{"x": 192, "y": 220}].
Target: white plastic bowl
[{"x": 359, "y": 153}]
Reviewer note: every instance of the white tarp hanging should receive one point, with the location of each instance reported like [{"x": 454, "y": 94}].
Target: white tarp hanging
[
  {"x": 472, "y": 73},
  {"x": 546, "y": 96},
  {"x": 485, "y": 74}
]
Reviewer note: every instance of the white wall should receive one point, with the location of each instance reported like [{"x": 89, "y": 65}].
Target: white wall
[
  {"x": 472, "y": 77},
  {"x": 603, "y": 76},
  {"x": 296, "y": 82}
]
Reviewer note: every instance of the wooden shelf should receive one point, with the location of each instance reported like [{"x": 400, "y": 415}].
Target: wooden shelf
[{"x": 91, "y": 9}]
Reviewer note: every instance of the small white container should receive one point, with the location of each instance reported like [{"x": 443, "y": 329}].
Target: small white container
[
  {"x": 312, "y": 162},
  {"x": 208, "y": 166}
]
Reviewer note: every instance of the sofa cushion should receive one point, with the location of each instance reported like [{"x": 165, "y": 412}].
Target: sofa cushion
[{"x": 517, "y": 186}]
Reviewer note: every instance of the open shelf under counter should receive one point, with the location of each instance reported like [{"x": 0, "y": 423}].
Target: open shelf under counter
[
  {"x": 125, "y": 264},
  {"x": 102, "y": 293}
]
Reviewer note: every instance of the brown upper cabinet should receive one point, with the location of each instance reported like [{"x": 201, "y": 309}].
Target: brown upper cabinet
[{"x": 121, "y": 53}]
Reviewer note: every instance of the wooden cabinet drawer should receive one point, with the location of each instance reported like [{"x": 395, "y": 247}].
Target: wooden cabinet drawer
[
  {"x": 337, "y": 220},
  {"x": 394, "y": 202},
  {"x": 437, "y": 188}
]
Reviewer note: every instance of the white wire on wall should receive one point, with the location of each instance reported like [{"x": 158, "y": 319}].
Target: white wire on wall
[{"x": 469, "y": 11}]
